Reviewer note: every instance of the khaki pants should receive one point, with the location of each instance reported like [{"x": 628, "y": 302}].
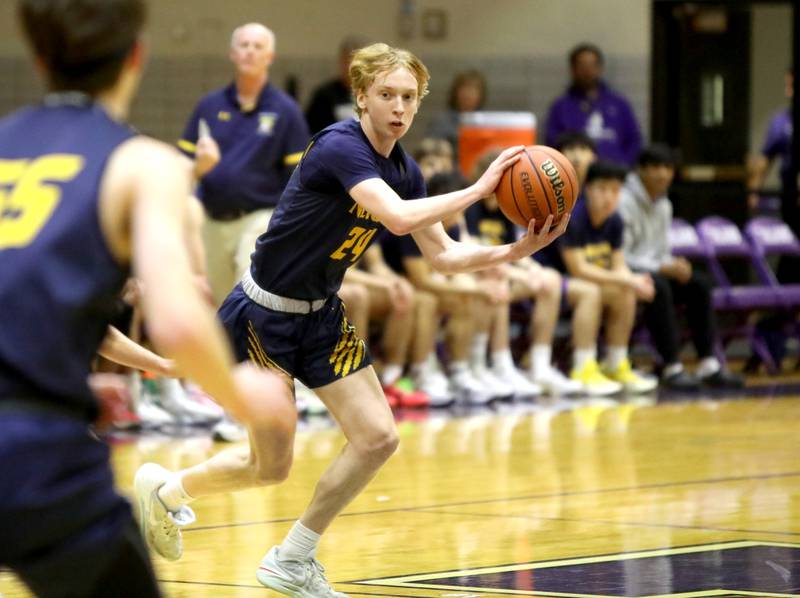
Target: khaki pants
[{"x": 228, "y": 247}]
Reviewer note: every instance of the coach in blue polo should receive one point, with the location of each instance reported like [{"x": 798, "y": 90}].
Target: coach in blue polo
[{"x": 245, "y": 140}]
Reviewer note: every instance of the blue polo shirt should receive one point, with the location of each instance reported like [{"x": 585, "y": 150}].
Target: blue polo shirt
[
  {"x": 259, "y": 149},
  {"x": 597, "y": 242}
]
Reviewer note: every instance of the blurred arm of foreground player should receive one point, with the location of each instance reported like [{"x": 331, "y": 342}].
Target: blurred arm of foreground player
[
  {"x": 120, "y": 349},
  {"x": 143, "y": 210}
]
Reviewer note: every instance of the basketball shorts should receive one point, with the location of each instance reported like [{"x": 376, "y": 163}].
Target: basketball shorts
[{"x": 316, "y": 348}]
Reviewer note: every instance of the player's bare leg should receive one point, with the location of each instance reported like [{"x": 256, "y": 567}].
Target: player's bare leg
[
  {"x": 620, "y": 306},
  {"x": 163, "y": 496},
  {"x": 358, "y": 405}
]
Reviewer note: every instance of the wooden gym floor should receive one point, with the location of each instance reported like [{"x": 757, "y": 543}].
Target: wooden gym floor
[{"x": 634, "y": 498}]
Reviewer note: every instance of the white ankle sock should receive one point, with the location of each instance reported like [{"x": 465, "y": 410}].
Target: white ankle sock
[
  {"x": 173, "y": 494},
  {"x": 458, "y": 366},
  {"x": 300, "y": 544},
  {"x": 172, "y": 386},
  {"x": 541, "y": 355},
  {"x": 615, "y": 356},
  {"x": 417, "y": 369},
  {"x": 391, "y": 373},
  {"x": 502, "y": 360},
  {"x": 478, "y": 348},
  {"x": 581, "y": 356}
]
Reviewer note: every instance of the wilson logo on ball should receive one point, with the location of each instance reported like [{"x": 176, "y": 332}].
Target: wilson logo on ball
[{"x": 551, "y": 170}]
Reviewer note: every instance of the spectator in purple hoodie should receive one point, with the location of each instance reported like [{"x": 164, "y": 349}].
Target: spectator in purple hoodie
[{"x": 589, "y": 105}]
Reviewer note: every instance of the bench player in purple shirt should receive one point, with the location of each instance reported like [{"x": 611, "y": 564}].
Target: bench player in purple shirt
[
  {"x": 353, "y": 180},
  {"x": 591, "y": 106}
]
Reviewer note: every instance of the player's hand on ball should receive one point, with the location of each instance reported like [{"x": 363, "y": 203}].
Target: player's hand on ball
[
  {"x": 489, "y": 180},
  {"x": 533, "y": 241}
]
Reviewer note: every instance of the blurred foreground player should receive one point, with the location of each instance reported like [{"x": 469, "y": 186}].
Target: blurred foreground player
[{"x": 84, "y": 199}]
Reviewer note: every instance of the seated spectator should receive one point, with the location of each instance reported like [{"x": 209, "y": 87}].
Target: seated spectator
[
  {"x": 464, "y": 300},
  {"x": 579, "y": 149},
  {"x": 591, "y": 106},
  {"x": 409, "y": 323},
  {"x": 529, "y": 280},
  {"x": 467, "y": 94},
  {"x": 434, "y": 156},
  {"x": 646, "y": 211},
  {"x": 333, "y": 100},
  {"x": 591, "y": 249}
]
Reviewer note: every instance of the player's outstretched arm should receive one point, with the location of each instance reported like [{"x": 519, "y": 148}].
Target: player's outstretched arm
[
  {"x": 403, "y": 217},
  {"x": 120, "y": 349},
  {"x": 144, "y": 206},
  {"x": 449, "y": 256}
]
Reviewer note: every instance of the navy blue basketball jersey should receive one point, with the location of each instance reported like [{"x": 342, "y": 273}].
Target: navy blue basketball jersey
[
  {"x": 318, "y": 230},
  {"x": 58, "y": 279}
]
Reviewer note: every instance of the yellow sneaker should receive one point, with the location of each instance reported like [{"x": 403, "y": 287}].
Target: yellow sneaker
[
  {"x": 594, "y": 382},
  {"x": 632, "y": 381}
]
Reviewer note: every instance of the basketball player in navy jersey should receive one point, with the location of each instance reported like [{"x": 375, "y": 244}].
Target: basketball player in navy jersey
[
  {"x": 353, "y": 180},
  {"x": 83, "y": 201}
]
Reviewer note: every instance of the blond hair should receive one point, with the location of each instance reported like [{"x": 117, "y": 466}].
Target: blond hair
[{"x": 370, "y": 61}]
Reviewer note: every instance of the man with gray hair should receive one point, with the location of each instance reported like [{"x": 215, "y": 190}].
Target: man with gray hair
[{"x": 245, "y": 140}]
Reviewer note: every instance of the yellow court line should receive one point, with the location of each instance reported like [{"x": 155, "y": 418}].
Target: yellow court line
[
  {"x": 706, "y": 593},
  {"x": 622, "y": 556},
  {"x": 700, "y": 594},
  {"x": 427, "y": 586},
  {"x": 764, "y": 595}
]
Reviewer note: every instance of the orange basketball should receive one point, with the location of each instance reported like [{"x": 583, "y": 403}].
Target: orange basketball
[{"x": 540, "y": 183}]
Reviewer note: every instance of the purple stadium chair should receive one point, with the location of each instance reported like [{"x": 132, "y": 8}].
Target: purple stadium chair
[
  {"x": 724, "y": 241},
  {"x": 684, "y": 241},
  {"x": 773, "y": 237}
]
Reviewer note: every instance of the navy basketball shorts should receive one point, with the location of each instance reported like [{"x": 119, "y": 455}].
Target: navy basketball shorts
[{"x": 316, "y": 348}]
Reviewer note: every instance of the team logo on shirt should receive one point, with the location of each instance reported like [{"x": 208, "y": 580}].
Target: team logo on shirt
[
  {"x": 223, "y": 115},
  {"x": 491, "y": 231},
  {"x": 599, "y": 254},
  {"x": 266, "y": 122}
]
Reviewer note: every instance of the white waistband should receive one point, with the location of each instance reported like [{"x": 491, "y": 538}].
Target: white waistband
[{"x": 276, "y": 302}]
